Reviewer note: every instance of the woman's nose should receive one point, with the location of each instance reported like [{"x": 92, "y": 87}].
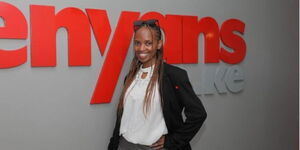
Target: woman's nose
[{"x": 143, "y": 47}]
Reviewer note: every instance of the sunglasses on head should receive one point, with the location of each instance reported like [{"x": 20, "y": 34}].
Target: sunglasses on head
[{"x": 152, "y": 23}]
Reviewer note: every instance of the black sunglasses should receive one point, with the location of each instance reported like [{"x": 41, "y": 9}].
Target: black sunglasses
[{"x": 152, "y": 23}]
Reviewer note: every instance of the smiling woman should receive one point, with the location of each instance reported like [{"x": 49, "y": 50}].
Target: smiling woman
[
  {"x": 153, "y": 97},
  {"x": 145, "y": 47}
]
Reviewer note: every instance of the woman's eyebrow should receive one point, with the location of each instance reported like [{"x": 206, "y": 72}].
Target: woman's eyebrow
[{"x": 148, "y": 40}]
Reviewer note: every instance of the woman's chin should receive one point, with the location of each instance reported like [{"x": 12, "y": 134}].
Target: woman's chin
[
  {"x": 143, "y": 60},
  {"x": 146, "y": 61}
]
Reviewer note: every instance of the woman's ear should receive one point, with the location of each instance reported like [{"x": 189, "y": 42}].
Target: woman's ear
[{"x": 160, "y": 43}]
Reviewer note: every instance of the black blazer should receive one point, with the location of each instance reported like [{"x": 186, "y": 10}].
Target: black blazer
[{"x": 178, "y": 95}]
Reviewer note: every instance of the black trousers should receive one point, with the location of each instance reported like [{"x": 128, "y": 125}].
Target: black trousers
[{"x": 126, "y": 145}]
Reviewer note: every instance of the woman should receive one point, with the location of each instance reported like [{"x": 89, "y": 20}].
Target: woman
[{"x": 154, "y": 95}]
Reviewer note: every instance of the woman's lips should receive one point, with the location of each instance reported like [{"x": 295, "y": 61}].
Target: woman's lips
[{"x": 142, "y": 55}]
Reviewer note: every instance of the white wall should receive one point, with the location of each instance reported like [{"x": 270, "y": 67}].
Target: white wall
[{"x": 48, "y": 108}]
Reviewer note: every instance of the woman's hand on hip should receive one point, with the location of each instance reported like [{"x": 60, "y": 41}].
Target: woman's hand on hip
[{"x": 159, "y": 144}]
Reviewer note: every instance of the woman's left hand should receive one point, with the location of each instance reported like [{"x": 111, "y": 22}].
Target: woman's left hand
[{"x": 159, "y": 144}]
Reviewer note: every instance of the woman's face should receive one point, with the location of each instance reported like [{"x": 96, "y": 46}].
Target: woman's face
[{"x": 146, "y": 45}]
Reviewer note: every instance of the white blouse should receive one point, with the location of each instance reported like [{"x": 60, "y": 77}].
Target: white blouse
[{"x": 135, "y": 126}]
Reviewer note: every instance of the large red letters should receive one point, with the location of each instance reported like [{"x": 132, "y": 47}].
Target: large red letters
[
  {"x": 15, "y": 27},
  {"x": 115, "y": 58},
  {"x": 181, "y": 40},
  {"x": 44, "y": 24}
]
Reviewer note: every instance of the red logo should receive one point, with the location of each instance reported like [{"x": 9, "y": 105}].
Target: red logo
[{"x": 181, "y": 40}]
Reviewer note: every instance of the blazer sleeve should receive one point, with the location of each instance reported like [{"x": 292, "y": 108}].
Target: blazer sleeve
[
  {"x": 114, "y": 140},
  {"x": 193, "y": 110}
]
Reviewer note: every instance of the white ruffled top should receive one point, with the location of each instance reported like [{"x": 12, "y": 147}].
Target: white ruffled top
[{"x": 135, "y": 126}]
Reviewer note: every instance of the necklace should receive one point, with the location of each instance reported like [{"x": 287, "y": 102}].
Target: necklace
[{"x": 145, "y": 72}]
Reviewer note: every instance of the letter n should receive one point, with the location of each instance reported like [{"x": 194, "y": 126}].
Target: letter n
[{"x": 44, "y": 24}]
